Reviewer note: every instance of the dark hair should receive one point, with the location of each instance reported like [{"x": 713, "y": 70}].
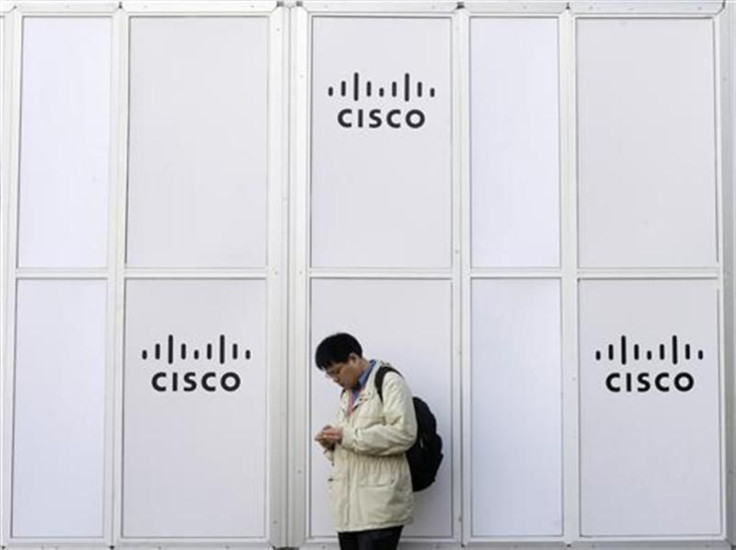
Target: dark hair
[{"x": 336, "y": 349}]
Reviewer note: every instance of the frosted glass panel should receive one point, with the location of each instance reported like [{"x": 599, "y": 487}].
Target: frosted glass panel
[
  {"x": 516, "y": 409},
  {"x": 650, "y": 408},
  {"x": 198, "y": 142},
  {"x": 194, "y": 449},
  {"x": 646, "y": 134},
  {"x": 514, "y": 142},
  {"x": 381, "y": 148},
  {"x": 59, "y": 443},
  {"x": 407, "y": 323},
  {"x": 65, "y": 142}
]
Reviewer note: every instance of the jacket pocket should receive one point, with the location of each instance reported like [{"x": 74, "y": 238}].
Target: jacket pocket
[{"x": 385, "y": 501}]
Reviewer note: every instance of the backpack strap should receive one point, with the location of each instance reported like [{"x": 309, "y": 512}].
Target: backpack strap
[{"x": 382, "y": 371}]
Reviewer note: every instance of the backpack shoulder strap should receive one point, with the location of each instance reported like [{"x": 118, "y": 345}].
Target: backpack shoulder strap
[{"x": 381, "y": 373}]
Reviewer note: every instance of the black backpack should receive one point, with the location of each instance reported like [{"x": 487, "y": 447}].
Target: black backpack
[{"x": 425, "y": 456}]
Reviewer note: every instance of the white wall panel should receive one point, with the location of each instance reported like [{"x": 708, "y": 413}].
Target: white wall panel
[
  {"x": 64, "y": 149},
  {"x": 646, "y": 143},
  {"x": 194, "y": 445},
  {"x": 381, "y": 196},
  {"x": 649, "y": 408},
  {"x": 516, "y": 408},
  {"x": 515, "y": 167},
  {"x": 59, "y": 443},
  {"x": 198, "y": 142},
  {"x": 3, "y": 141},
  {"x": 407, "y": 323}
]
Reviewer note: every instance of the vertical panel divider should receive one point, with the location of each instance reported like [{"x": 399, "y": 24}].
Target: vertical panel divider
[
  {"x": 277, "y": 285},
  {"x": 12, "y": 84},
  {"x": 464, "y": 280},
  {"x": 8, "y": 50},
  {"x": 727, "y": 120},
  {"x": 722, "y": 90},
  {"x": 122, "y": 46},
  {"x": 460, "y": 244},
  {"x": 114, "y": 245},
  {"x": 299, "y": 386},
  {"x": 3, "y": 240},
  {"x": 569, "y": 281}
]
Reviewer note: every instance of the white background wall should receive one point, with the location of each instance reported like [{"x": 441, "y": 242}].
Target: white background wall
[{"x": 180, "y": 169}]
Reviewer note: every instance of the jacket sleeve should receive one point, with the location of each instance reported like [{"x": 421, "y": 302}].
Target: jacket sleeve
[{"x": 400, "y": 429}]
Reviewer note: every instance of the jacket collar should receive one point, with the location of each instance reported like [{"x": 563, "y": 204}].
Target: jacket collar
[{"x": 366, "y": 385}]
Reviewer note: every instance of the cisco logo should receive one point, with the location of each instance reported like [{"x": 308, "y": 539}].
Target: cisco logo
[
  {"x": 217, "y": 359},
  {"x": 664, "y": 368},
  {"x": 366, "y": 96}
]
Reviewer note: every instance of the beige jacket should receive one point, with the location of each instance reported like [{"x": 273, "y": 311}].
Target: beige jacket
[{"x": 370, "y": 483}]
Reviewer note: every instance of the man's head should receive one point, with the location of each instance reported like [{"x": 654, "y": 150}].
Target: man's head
[{"x": 340, "y": 357}]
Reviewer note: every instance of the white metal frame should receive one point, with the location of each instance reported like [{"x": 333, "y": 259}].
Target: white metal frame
[
  {"x": 4, "y": 158},
  {"x": 289, "y": 274},
  {"x": 14, "y": 274},
  {"x": 566, "y": 262},
  {"x": 304, "y": 274},
  {"x": 728, "y": 209},
  {"x": 116, "y": 274},
  {"x": 274, "y": 274},
  {"x": 569, "y": 252},
  {"x": 643, "y": 7},
  {"x": 703, "y": 10}
]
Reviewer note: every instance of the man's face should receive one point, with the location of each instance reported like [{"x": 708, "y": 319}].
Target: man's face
[{"x": 346, "y": 374}]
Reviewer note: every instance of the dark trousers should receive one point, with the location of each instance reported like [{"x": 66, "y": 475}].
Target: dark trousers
[{"x": 373, "y": 539}]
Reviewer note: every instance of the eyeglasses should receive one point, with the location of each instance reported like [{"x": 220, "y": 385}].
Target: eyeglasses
[{"x": 333, "y": 372}]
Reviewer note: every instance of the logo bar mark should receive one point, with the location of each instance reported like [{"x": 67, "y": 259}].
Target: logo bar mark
[
  {"x": 623, "y": 350},
  {"x": 356, "y": 83},
  {"x": 175, "y": 350},
  {"x": 659, "y": 349}
]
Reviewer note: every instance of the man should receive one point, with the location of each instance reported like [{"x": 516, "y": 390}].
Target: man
[{"x": 370, "y": 485}]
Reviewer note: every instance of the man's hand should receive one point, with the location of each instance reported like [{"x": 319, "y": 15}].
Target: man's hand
[{"x": 328, "y": 437}]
